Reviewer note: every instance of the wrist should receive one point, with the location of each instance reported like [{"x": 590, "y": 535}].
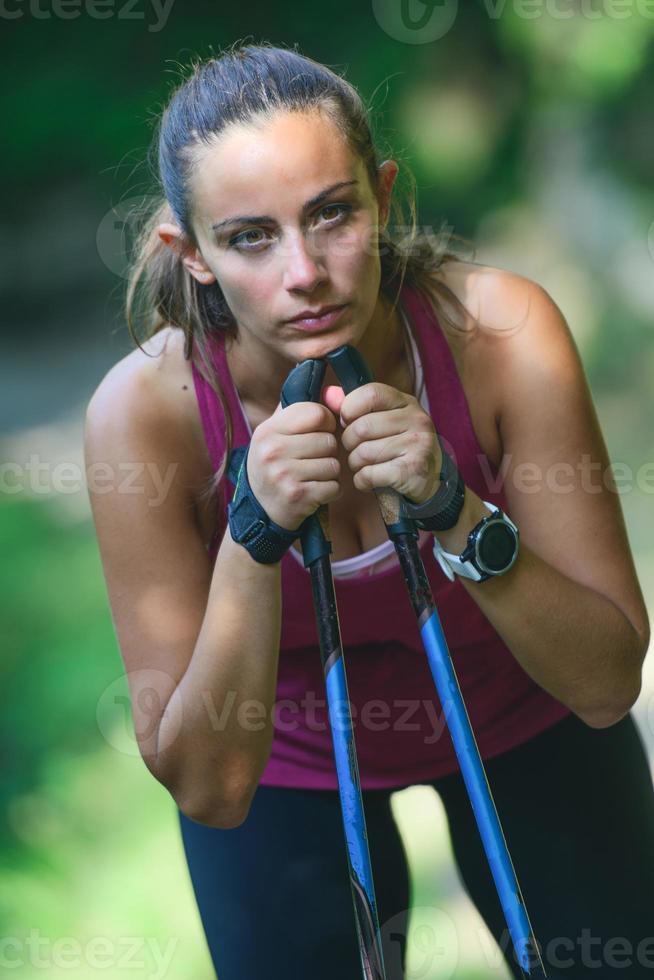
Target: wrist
[
  {"x": 473, "y": 510},
  {"x": 247, "y": 557},
  {"x": 250, "y": 525},
  {"x": 442, "y": 510}
]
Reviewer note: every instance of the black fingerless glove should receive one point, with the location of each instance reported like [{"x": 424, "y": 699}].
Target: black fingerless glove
[{"x": 249, "y": 524}]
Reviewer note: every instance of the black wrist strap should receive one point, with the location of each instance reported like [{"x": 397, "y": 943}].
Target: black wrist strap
[
  {"x": 442, "y": 510},
  {"x": 249, "y": 523}
]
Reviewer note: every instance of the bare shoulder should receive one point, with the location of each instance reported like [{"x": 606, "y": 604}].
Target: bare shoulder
[
  {"x": 148, "y": 377},
  {"x": 522, "y": 328},
  {"x": 148, "y": 398},
  {"x": 510, "y": 320},
  {"x": 497, "y": 299},
  {"x": 502, "y": 315}
]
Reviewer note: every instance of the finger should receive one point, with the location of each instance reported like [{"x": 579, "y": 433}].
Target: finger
[
  {"x": 375, "y": 425},
  {"x": 388, "y": 474},
  {"x": 398, "y": 473},
  {"x": 314, "y": 445},
  {"x": 310, "y": 470},
  {"x": 379, "y": 451},
  {"x": 372, "y": 397},
  {"x": 305, "y": 417}
]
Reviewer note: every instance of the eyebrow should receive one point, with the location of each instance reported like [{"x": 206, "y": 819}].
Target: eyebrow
[{"x": 257, "y": 219}]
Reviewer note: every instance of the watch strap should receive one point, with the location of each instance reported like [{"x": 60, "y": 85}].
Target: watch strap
[
  {"x": 452, "y": 565},
  {"x": 455, "y": 564}
]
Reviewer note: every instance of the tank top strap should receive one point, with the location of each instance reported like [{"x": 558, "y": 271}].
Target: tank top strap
[
  {"x": 449, "y": 406},
  {"x": 214, "y": 424},
  {"x": 211, "y": 411}
]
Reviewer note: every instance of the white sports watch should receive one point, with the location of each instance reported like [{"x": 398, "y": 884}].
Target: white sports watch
[{"x": 491, "y": 548}]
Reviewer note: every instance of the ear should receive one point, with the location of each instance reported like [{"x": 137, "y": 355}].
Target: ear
[
  {"x": 387, "y": 173},
  {"x": 173, "y": 236}
]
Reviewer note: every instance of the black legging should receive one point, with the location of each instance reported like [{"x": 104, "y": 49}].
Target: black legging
[{"x": 577, "y": 809}]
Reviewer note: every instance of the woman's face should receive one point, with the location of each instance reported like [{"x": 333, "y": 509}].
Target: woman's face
[{"x": 275, "y": 251}]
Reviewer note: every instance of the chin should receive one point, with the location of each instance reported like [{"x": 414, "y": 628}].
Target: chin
[{"x": 327, "y": 342}]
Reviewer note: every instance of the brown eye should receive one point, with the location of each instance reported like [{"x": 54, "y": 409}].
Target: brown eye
[
  {"x": 341, "y": 207},
  {"x": 241, "y": 238}
]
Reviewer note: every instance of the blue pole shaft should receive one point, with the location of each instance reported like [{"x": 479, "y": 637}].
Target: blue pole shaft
[
  {"x": 345, "y": 756},
  {"x": 354, "y": 824},
  {"x": 467, "y": 752}
]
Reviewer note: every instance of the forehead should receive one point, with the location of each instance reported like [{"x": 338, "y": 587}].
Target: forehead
[{"x": 257, "y": 167}]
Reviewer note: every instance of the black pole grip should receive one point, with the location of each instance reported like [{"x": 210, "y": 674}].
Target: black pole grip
[
  {"x": 304, "y": 384},
  {"x": 350, "y": 367}
]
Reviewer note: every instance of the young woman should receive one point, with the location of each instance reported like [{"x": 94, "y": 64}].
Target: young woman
[{"x": 274, "y": 207}]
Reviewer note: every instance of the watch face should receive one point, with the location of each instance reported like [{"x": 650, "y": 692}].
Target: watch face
[{"x": 496, "y": 547}]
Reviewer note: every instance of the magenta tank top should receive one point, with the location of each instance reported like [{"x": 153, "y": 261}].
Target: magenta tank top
[{"x": 400, "y": 729}]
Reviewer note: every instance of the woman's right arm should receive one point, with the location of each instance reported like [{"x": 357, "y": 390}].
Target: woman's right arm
[
  {"x": 215, "y": 733},
  {"x": 197, "y": 644}
]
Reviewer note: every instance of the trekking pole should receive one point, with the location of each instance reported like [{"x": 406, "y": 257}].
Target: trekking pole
[
  {"x": 352, "y": 372},
  {"x": 304, "y": 383}
]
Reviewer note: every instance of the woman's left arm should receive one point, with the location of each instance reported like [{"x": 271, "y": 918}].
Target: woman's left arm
[{"x": 570, "y": 609}]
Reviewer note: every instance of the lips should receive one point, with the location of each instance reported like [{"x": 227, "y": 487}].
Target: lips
[{"x": 314, "y": 314}]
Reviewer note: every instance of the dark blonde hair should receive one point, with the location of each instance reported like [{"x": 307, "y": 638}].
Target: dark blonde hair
[{"x": 244, "y": 82}]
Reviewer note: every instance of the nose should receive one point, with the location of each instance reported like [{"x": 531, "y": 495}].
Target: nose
[{"x": 302, "y": 270}]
